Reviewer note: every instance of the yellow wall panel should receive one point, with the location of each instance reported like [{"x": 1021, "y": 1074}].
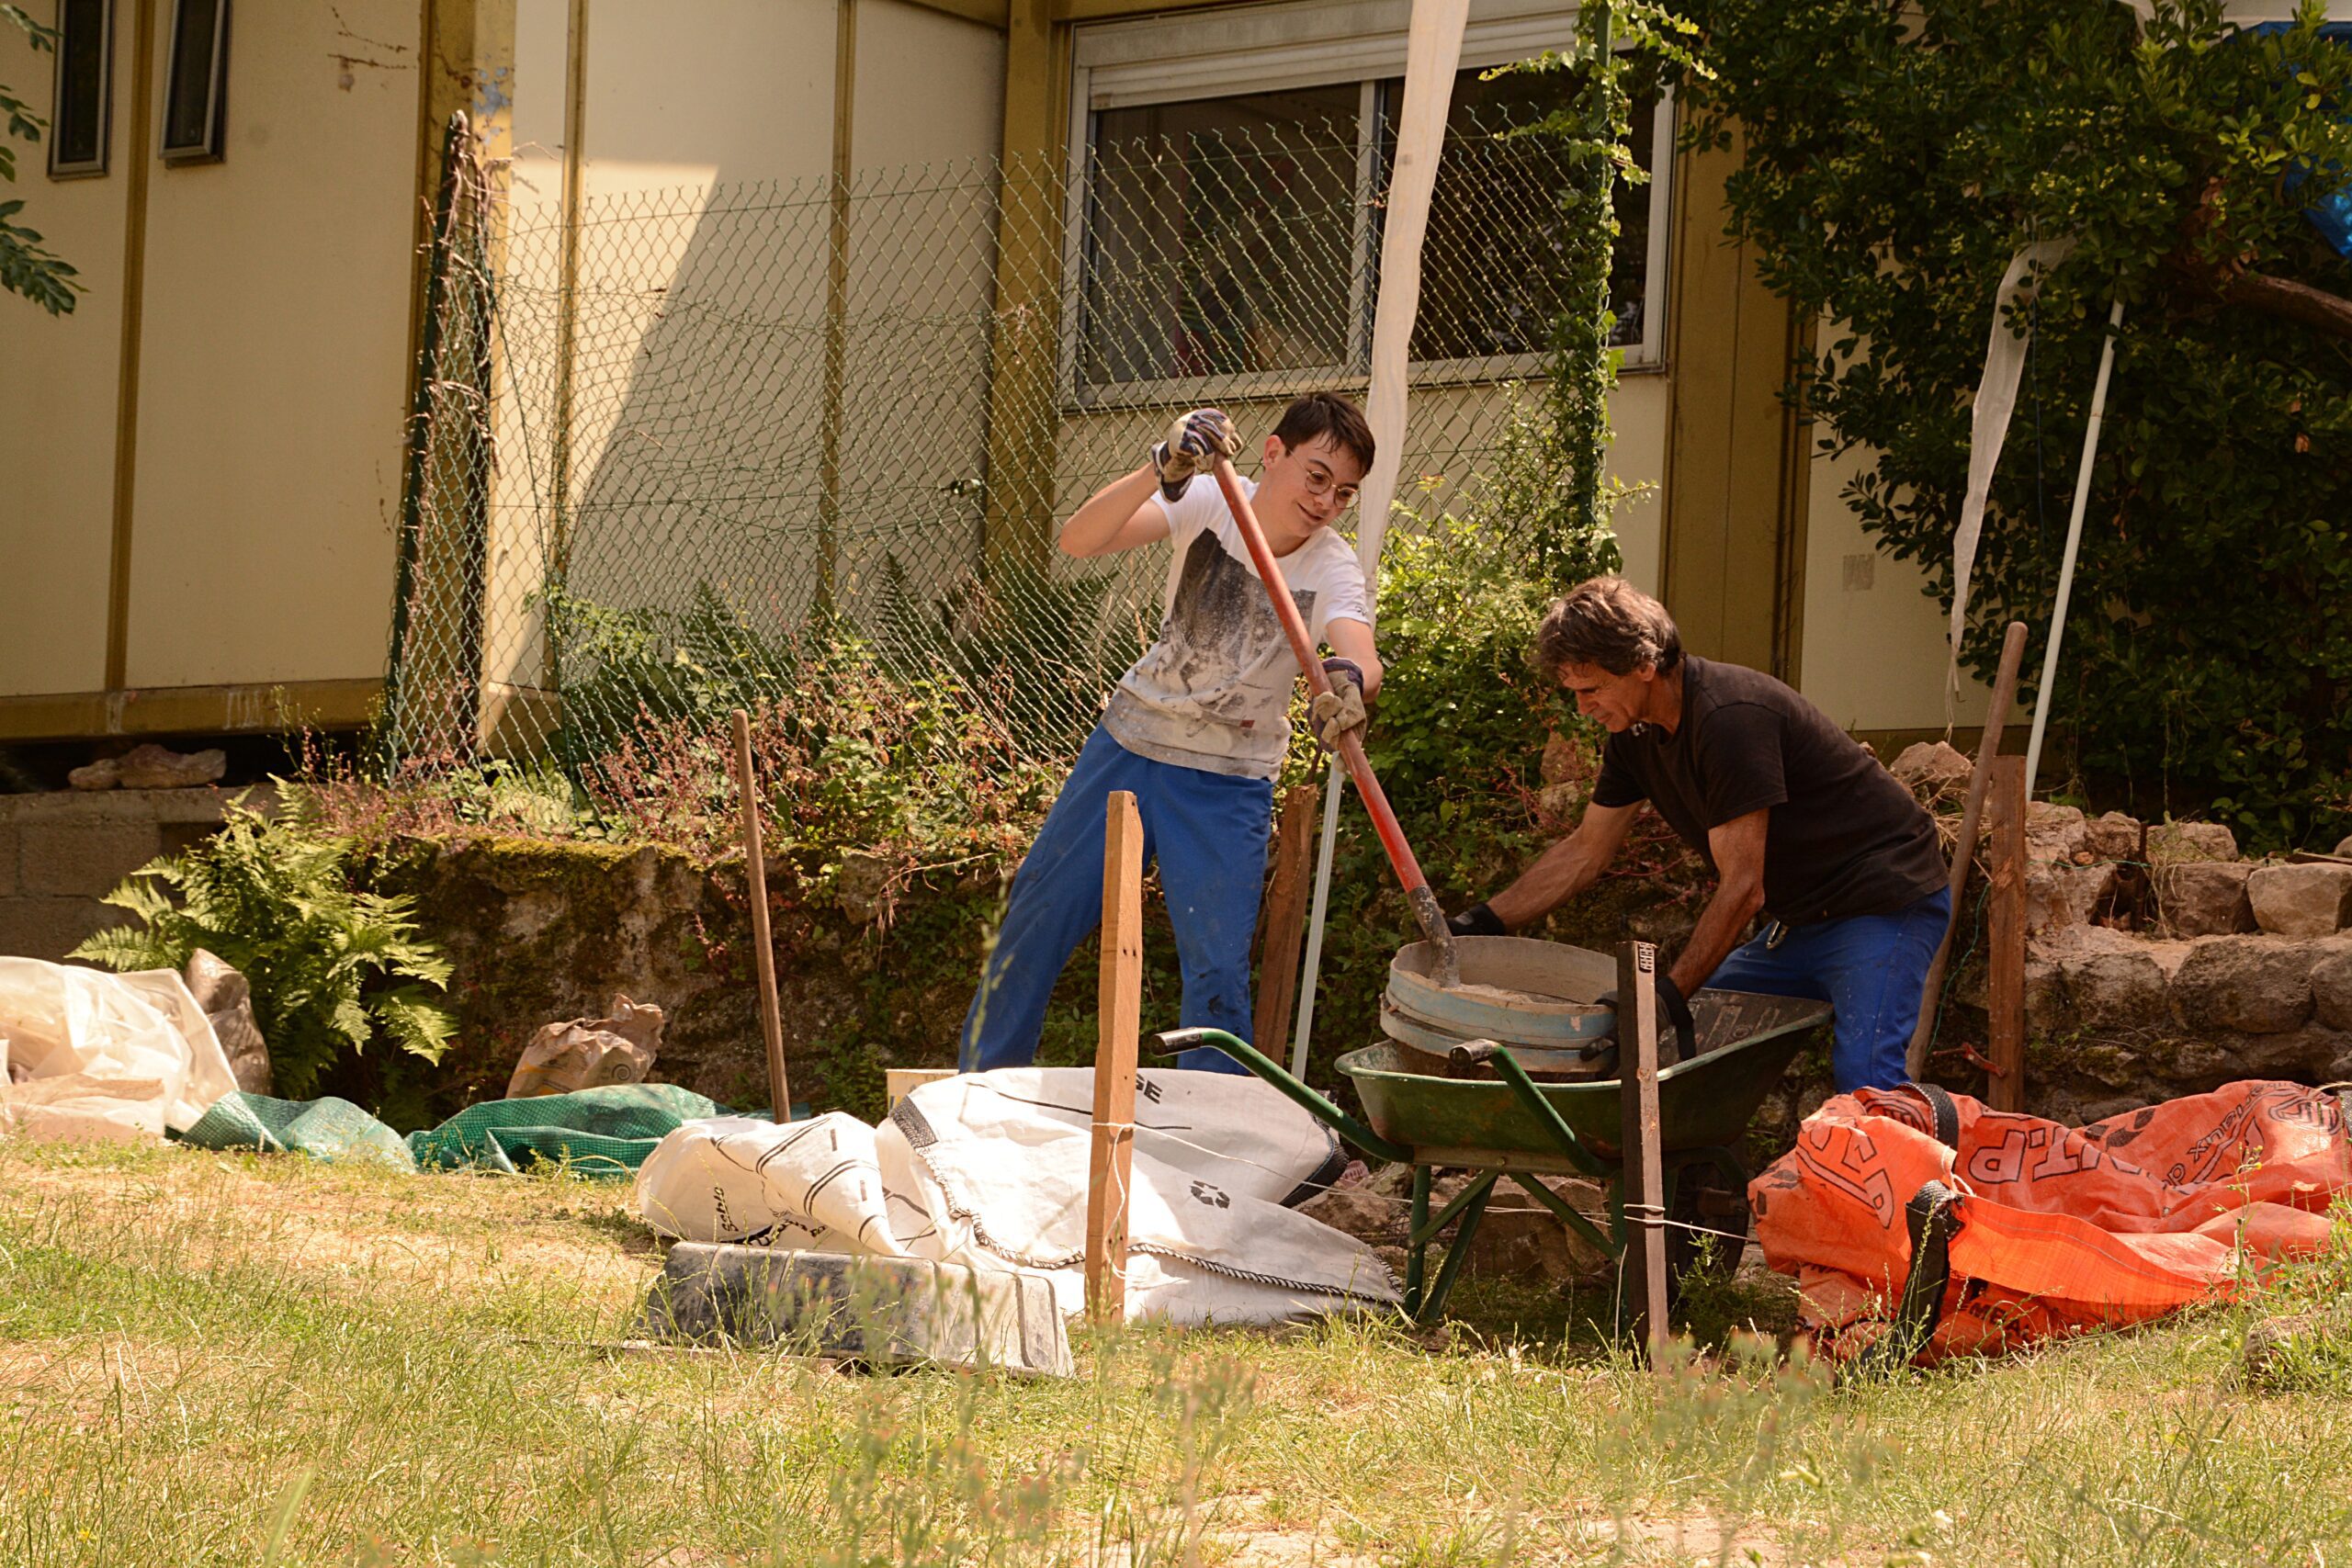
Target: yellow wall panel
[
  {"x": 57, "y": 441},
  {"x": 276, "y": 358}
]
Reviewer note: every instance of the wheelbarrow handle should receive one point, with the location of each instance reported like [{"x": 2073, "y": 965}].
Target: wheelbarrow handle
[
  {"x": 1426, "y": 912},
  {"x": 1306, "y": 1099}
]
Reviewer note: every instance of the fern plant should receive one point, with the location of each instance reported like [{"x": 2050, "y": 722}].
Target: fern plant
[{"x": 330, "y": 967}]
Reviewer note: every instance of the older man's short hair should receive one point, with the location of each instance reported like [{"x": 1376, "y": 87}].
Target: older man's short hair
[{"x": 1610, "y": 623}]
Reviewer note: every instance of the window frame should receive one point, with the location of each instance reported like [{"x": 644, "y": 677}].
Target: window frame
[
  {"x": 1268, "y": 47},
  {"x": 215, "y": 144},
  {"x": 91, "y": 167}
]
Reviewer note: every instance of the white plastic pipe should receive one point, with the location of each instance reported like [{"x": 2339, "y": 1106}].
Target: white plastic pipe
[
  {"x": 1333, "y": 788},
  {"x": 2073, "y": 544}
]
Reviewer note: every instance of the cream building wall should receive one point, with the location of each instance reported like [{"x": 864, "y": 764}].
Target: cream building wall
[
  {"x": 274, "y": 362},
  {"x": 57, "y": 441},
  {"x": 1874, "y": 654}
]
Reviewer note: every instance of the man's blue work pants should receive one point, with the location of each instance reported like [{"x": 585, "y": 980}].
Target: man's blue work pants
[
  {"x": 1208, "y": 832},
  {"x": 1870, "y": 968}
]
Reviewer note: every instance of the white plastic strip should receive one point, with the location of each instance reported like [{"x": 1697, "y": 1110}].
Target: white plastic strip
[
  {"x": 2074, "y": 543},
  {"x": 1432, "y": 52},
  {"x": 1996, "y": 399}
]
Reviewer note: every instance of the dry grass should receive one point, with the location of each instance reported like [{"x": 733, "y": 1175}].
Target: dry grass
[{"x": 404, "y": 1369}]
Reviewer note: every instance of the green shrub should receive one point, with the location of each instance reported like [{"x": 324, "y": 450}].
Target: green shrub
[{"x": 330, "y": 967}]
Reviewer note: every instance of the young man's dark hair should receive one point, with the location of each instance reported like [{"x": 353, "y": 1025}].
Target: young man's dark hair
[
  {"x": 1610, "y": 623},
  {"x": 1326, "y": 413}
]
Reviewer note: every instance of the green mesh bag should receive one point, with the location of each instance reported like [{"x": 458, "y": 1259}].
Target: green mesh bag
[
  {"x": 598, "y": 1131},
  {"x": 327, "y": 1129}
]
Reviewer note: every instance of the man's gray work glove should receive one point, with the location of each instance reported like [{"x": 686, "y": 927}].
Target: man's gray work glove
[
  {"x": 1679, "y": 1042},
  {"x": 1194, "y": 444},
  {"x": 1340, "y": 710}
]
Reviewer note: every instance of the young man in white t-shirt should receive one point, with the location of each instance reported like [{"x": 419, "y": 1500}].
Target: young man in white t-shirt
[{"x": 1196, "y": 729}]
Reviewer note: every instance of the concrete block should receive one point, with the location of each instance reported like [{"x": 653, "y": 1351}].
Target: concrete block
[
  {"x": 84, "y": 858},
  {"x": 50, "y": 927},
  {"x": 2301, "y": 900},
  {"x": 881, "y": 1311}
]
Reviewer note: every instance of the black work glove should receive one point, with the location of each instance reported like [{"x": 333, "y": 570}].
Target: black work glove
[
  {"x": 1478, "y": 921},
  {"x": 1679, "y": 1042}
]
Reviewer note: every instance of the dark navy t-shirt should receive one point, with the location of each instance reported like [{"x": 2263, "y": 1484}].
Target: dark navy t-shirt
[{"x": 1843, "y": 839}]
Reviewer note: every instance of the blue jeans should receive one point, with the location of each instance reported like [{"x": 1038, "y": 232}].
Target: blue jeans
[
  {"x": 1870, "y": 968},
  {"x": 1208, "y": 832}
]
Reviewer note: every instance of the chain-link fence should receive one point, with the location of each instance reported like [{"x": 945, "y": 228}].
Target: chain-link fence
[{"x": 667, "y": 454}]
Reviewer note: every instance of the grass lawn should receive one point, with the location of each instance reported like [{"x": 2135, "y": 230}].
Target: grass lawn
[{"x": 210, "y": 1359}]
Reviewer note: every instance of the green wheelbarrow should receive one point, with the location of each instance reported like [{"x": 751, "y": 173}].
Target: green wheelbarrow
[{"x": 1510, "y": 1125}]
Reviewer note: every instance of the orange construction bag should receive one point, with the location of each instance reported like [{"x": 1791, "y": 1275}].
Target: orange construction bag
[{"x": 1933, "y": 1226}]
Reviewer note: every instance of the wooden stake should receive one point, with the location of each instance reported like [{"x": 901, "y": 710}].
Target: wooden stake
[
  {"x": 1964, "y": 856},
  {"x": 755, "y": 872},
  {"x": 2005, "y": 988},
  {"x": 1283, "y": 926},
  {"x": 1643, "y": 1274},
  {"x": 1120, "y": 1003}
]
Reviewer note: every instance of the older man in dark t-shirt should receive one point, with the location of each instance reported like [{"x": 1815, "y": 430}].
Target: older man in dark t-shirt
[{"x": 1795, "y": 818}]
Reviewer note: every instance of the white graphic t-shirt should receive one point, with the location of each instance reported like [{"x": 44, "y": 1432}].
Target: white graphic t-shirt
[{"x": 1214, "y": 692}]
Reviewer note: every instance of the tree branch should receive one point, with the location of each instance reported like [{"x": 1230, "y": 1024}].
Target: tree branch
[{"x": 2300, "y": 302}]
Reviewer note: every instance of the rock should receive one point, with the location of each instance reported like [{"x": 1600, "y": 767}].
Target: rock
[
  {"x": 2112, "y": 836},
  {"x": 589, "y": 1053},
  {"x": 2109, "y": 1065},
  {"x": 1565, "y": 761},
  {"x": 863, "y": 888},
  {"x": 1372, "y": 1217},
  {"x": 2171, "y": 843},
  {"x": 104, "y": 774},
  {"x": 2052, "y": 832},
  {"x": 1521, "y": 1240},
  {"x": 2252, "y": 985},
  {"x": 2114, "y": 986},
  {"x": 2313, "y": 900},
  {"x": 2204, "y": 897},
  {"x": 1930, "y": 768},
  {"x": 1557, "y": 802},
  {"x": 226, "y": 997},
  {"x": 2332, "y": 985},
  {"x": 2059, "y": 895},
  {"x": 2275, "y": 1349},
  {"x": 2344, "y": 849},
  {"x": 155, "y": 767},
  {"x": 2304, "y": 1054}
]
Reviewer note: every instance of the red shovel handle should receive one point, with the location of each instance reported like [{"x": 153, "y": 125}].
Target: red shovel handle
[{"x": 1426, "y": 912}]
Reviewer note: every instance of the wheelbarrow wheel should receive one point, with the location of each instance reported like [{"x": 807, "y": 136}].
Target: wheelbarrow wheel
[{"x": 1707, "y": 1211}]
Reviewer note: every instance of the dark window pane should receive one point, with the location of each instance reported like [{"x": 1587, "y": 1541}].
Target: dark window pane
[
  {"x": 1219, "y": 236},
  {"x": 191, "y": 110},
  {"x": 1491, "y": 266},
  {"x": 80, "y": 120}
]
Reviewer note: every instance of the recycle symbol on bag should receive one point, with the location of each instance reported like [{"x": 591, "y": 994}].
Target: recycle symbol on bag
[{"x": 1213, "y": 1196}]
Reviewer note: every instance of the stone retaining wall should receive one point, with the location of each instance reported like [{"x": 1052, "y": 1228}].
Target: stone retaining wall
[{"x": 2159, "y": 963}]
